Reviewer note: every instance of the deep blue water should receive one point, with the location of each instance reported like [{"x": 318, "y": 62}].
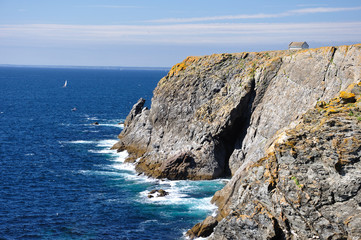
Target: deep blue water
[{"x": 58, "y": 178}]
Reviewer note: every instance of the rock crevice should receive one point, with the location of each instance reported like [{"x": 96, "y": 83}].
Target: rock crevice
[{"x": 240, "y": 115}]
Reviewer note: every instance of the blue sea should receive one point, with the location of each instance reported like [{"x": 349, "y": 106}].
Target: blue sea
[{"x": 58, "y": 177}]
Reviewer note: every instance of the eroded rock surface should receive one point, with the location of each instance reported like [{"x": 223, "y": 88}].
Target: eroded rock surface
[
  {"x": 309, "y": 184},
  {"x": 217, "y": 115},
  {"x": 219, "y": 112}
]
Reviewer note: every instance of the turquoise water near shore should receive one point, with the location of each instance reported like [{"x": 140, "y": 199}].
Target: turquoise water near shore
[{"x": 60, "y": 180}]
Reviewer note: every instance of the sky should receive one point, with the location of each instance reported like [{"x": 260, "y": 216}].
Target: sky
[{"x": 161, "y": 33}]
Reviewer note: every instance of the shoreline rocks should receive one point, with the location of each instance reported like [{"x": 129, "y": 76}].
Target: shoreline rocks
[
  {"x": 157, "y": 193},
  {"x": 232, "y": 114}
]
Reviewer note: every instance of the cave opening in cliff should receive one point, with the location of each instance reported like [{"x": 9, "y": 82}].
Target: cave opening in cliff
[{"x": 236, "y": 129}]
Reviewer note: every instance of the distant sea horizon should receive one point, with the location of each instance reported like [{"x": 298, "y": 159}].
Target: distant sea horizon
[
  {"x": 60, "y": 180},
  {"x": 87, "y": 67}
]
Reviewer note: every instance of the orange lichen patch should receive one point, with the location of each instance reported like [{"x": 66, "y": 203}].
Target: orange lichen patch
[
  {"x": 271, "y": 172},
  {"x": 347, "y": 96},
  {"x": 183, "y": 65},
  {"x": 323, "y": 50}
]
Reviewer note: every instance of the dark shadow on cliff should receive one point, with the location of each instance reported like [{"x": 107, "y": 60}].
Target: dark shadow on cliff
[{"x": 235, "y": 129}]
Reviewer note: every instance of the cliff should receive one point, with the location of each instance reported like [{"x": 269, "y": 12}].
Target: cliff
[
  {"x": 309, "y": 184},
  {"x": 216, "y": 116}
]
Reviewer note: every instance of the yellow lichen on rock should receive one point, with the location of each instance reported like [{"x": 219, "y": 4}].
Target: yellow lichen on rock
[
  {"x": 182, "y": 66},
  {"x": 347, "y": 97}
]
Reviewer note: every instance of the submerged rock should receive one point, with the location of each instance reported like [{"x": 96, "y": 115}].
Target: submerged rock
[{"x": 157, "y": 193}]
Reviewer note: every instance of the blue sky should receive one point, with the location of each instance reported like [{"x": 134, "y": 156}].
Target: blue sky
[{"x": 159, "y": 33}]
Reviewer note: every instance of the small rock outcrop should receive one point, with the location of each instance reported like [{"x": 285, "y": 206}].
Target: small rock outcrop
[
  {"x": 203, "y": 229},
  {"x": 157, "y": 193}
]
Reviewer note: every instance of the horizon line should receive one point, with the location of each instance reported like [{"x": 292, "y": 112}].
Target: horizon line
[{"x": 83, "y": 67}]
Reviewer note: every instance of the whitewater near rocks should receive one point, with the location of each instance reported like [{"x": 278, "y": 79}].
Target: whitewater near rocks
[{"x": 215, "y": 116}]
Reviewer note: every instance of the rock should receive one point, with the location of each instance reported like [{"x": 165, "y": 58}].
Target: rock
[
  {"x": 95, "y": 123},
  {"x": 307, "y": 187},
  {"x": 153, "y": 191},
  {"x": 295, "y": 172},
  {"x": 222, "y": 111},
  {"x": 161, "y": 193},
  {"x": 203, "y": 229}
]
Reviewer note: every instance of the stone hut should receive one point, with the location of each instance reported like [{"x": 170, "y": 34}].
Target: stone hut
[{"x": 298, "y": 45}]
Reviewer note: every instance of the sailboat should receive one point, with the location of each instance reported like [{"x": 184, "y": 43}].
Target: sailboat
[{"x": 66, "y": 83}]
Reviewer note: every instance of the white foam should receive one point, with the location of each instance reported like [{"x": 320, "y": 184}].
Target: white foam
[
  {"x": 93, "y": 131},
  {"x": 205, "y": 204},
  {"x": 181, "y": 192},
  {"x": 65, "y": 124},
  {"x": 102, "y": 151},
  {"x": 121, "y": 156},
  {"x": 112, "y": 125},
  {"x": 81, "y": 142},
  {"x": 104, "y": 173},
  {"x": 124, "y": 166},
  {"x": 106, "y": 143},
  {"x": 92, "y": 118}
]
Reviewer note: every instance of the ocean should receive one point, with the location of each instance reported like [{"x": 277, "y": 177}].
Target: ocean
[{"x": 60, "y": 180}]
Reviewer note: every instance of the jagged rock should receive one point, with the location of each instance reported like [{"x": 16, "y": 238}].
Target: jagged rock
[
  {"x": 161, "y": 193},
  {"x": 217, "y": 115},
  {"x": 309, "y": 184},
  {"x": 203, "y": 229},
  {"x": 223, "y": 110}
]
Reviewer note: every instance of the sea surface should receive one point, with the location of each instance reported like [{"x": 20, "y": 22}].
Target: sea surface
[{"x": 58, "y": 177}]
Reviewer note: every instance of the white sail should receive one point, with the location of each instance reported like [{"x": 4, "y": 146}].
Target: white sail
[{"x": 66, "y": 83}]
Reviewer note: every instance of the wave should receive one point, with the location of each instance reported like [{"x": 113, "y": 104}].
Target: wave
[
  {"x": 81, "y": 142},
  {"x": 192, "y": 196},
  {"x": 118, "y": 125},
  {"x": 106, "y": 143},
  {"x": 92, "y": 131}
]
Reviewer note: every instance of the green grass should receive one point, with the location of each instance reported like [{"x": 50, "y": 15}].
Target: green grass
[{"x": 296, "y": 181}]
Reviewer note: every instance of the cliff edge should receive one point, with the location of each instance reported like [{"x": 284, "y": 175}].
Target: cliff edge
[
  {"x": 212, "y": 114},
  {"x": 218, "y": 115}
]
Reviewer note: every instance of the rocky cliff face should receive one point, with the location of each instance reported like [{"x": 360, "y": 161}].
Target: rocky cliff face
[
  {"x": 309, "y": 184},
  {"x": 217, "y": 115},
  {"x": 212, "y": 114}
]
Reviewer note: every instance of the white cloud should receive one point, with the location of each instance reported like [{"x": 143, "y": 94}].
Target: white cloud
[
  {"x": 256, "y": 16},
  {"x": 324, "y": 10},
  {"x": 228, "y": 17},
  {"x": 217, "y": 33}
]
